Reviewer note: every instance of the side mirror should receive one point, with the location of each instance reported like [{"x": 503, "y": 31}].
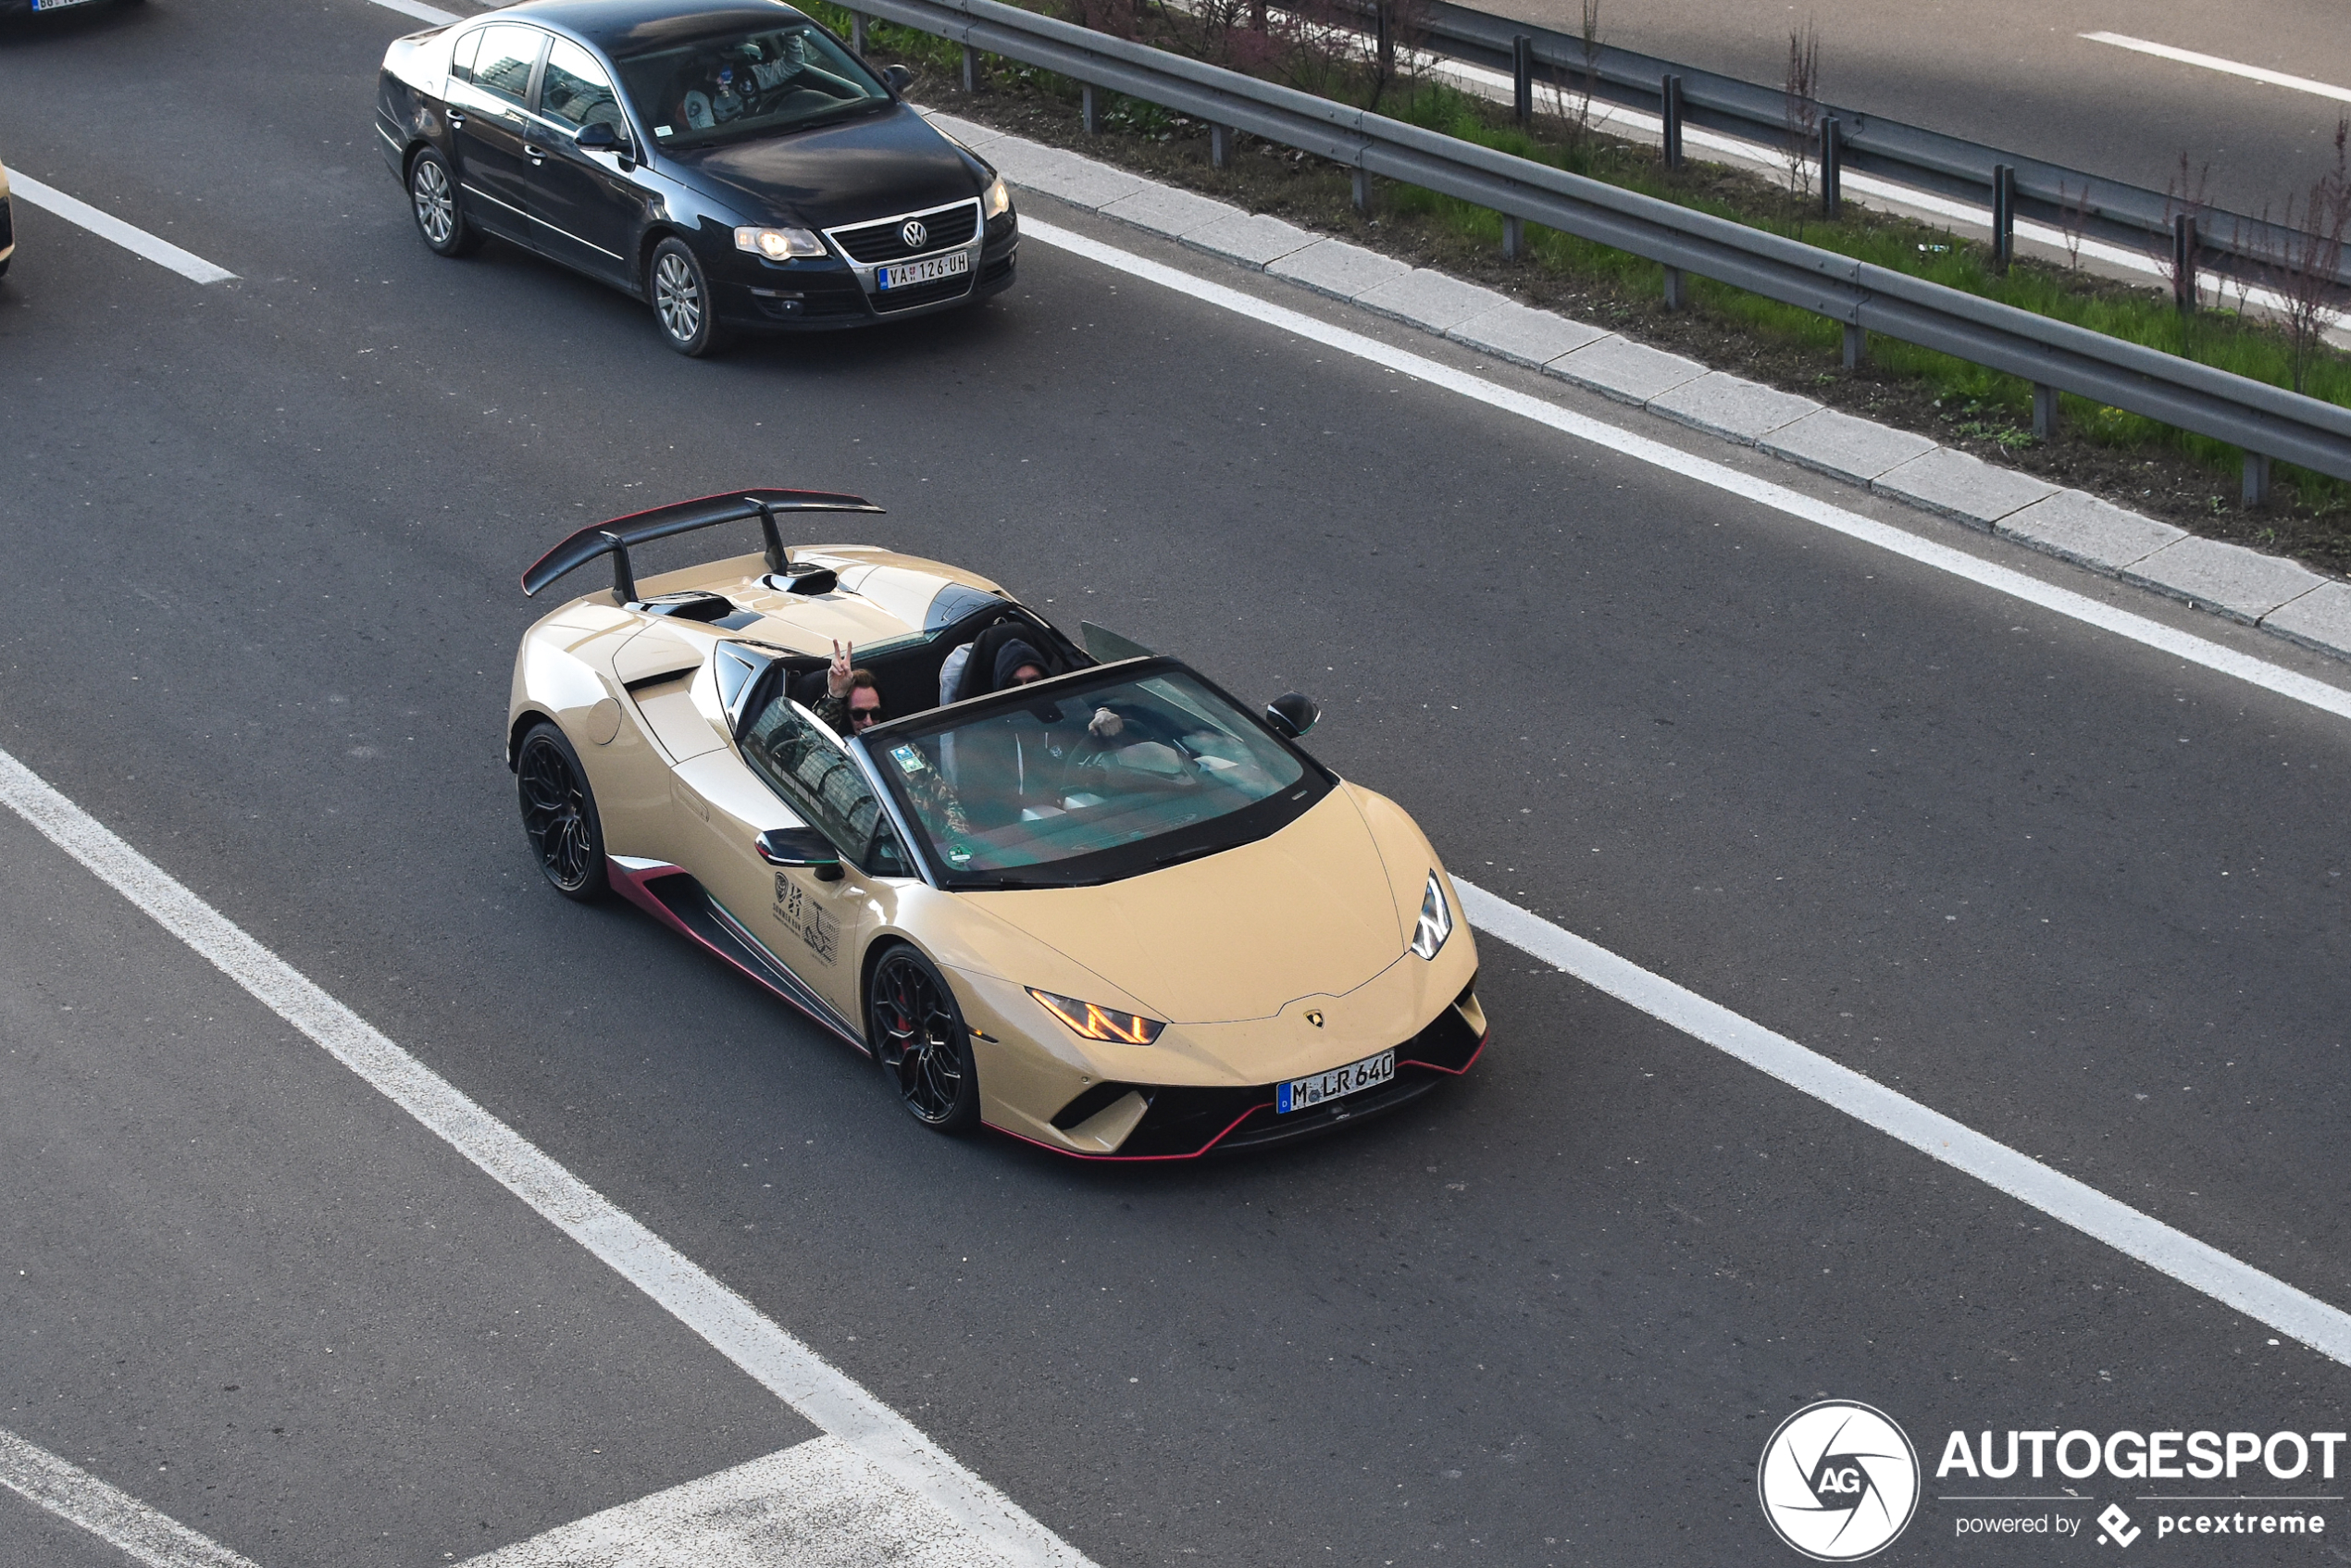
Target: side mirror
[
  {"x": 899, "y": 77},
  {"x": 599, "y": 137},
  {"x": 1292, "y": 715},
  {"x": 801, "y": 847}
]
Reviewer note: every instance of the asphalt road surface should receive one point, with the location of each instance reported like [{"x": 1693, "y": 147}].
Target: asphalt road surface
[
  {"x": 260, "y": 545},
  {"x": 2019, "y": 76}
]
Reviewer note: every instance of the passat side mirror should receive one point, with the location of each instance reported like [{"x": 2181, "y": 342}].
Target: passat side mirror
[
  {"x": 599, "y": 137},
  {"x": 899, "y": 77},
  {"x": 803, "y": 848},
  {"x": 1293, "y": 715}
]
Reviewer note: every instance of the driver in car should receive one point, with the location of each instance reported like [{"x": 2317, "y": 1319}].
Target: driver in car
[{"x": 737, "y": 83}]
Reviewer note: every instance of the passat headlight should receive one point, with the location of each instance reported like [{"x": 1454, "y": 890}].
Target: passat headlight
[
  {"x": 999, "y": 201},
  {"x": 1092, "y": 1022},
  {"x": 1436, "y": 921},
  {"x": 779, "y": 244}
]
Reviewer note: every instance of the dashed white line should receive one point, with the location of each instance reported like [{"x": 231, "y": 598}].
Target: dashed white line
[
  {"x": 2016, "y": 585},
  {"x": 995, "y": 1529},
  {"x": 111, "y": 1514},
  {"x": 2195, "y": 1264},
  {"x": 419, "y": 10},
  {"x": 138, "y": 241},
  {"x": 2214, "y": 62}
]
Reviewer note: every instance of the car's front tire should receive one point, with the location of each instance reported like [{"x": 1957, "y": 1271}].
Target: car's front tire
[
  {"x": 559, "y": 814},
  {"x": 441, "y": 216},
  {"x": 679, "y": 290},
  {"x": 920, "y": 1040}
]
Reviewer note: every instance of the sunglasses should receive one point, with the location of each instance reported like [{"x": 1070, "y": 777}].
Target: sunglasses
[{"x": 865, "y": 715}]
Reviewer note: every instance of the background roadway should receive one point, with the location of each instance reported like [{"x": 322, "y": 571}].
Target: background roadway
[
  {"x": 262, "y": 538},
  {"x": 2017, "y": 75}
]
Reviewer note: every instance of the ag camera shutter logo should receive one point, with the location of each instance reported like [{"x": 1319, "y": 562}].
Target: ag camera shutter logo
[{"x": 1838, "y": 1481}]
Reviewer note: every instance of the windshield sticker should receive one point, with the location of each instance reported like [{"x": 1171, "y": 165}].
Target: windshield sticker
[
  {"x": 664, "y": 131},
  {"x": 908, "y": 759}
]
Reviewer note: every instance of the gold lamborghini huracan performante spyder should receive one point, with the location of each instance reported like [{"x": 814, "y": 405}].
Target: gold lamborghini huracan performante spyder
[{"x": 1076, "y": 893}]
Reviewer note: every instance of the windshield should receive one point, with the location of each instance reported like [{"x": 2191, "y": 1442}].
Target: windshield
[
  {"x": 1092, "y": 781},
  {"x": 737, "y": 86}
]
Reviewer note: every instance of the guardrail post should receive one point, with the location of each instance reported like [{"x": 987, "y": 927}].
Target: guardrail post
[
  {"x": 2256, "y": 479},
  {"x": 1675, "y": 297},
  {"x": 971, "y": 69},
  {"x": 1514, "y": 237},
  {"x": 1670, "y": 98},
  {"x": 1832, "y": 164},
  {"x": 1522, "y": 78},
  {"x": 1090, "y": 109},
  {"x": 1364, "y": 190},
  {"x": 2003, "y": 215},
  {"x": 1220, "y": 144},
  {"x": 1857, "y": 344},
  {"x": 857, "y": 30},
  {"x": 2184, "y": 248},
  {"x": 2043, "y": 411},
  {"x": 1385, "y": 46}
]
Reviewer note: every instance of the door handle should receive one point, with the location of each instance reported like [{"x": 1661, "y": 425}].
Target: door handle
[
  {"x": 536, "y": 154},
  {"x": 456, "y": 119}
]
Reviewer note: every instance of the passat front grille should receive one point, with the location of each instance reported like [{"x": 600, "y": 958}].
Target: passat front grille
[{"x": 943, "y": 228}]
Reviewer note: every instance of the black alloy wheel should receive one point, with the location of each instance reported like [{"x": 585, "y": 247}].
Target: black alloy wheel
[
  {"x": 682, "y": 300},
  {"x": 559, "y": 814},
  {"x": 919, "y": 1038},
  {"x": 441, "y": 216}
]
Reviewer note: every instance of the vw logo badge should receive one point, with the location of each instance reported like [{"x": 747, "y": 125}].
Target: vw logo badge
[
  {"x": 1838, "y": 1481},
  {"x": 915, "y": 234}
]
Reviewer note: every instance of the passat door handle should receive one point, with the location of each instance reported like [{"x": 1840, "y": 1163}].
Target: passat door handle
[
  {"x": 456, "y": 119},
  {"x": 536, "y": 154}
]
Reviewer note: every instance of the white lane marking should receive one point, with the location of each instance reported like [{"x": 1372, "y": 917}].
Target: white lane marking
[
  {"x": 1764, "y": 493},
  {"x": 111, "y": 1514},
  {"x": 2194, "y": 1263},
  {"x": 138, "y": 241},
  {"x": 995, "y": 1529},
  {"x": 2214, "y": 62},
  {"x": 814, "y": 1505},
  {"x": 419, "y": 10}
]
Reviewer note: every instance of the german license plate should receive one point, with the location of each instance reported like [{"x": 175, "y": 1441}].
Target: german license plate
[
  {"x": 1300, "y": 1093},
  {"x": 930, "y": 270}
]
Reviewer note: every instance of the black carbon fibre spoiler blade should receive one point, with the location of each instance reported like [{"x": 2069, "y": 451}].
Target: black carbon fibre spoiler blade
[{"x": 616, "y": 538}]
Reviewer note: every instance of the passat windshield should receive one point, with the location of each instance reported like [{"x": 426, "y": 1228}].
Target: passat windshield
[
  {"x": 731, "y": 88},
  {"x": 1089, "y": 781}
]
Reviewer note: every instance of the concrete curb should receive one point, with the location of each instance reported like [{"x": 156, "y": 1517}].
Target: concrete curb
[{"x": 2277, "y": 595}]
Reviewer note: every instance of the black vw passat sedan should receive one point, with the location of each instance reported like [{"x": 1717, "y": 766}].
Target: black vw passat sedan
[{"x": 736, "y": 165}]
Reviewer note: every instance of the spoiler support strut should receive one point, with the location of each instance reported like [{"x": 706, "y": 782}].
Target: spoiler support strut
[{"x": 616, "y": 538}]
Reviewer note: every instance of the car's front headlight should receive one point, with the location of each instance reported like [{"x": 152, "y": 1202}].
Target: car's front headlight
[
  {"x": 1436, "y": 921},
  {"x": 1092, "y": 1022},
  {"x": 999, "y": 200},
  {"x": 779, "y": 244}
]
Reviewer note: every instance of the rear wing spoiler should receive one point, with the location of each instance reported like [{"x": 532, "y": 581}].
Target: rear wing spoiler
[{"x": 614, "y": 538}]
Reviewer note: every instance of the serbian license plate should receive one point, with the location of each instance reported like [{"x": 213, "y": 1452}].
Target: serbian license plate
[
  {"x": 930, "y": 269},
  {"x": 1300, "y": 1093}
]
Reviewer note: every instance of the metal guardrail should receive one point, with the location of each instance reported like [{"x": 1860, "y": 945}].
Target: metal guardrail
[
  {"x": 2266, "y": 422},
  {"x": 1926, "y": 160}
]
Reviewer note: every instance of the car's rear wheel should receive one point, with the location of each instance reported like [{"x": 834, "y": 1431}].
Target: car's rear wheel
[
  {"x": 680, "y": 295},
  {"x": 559, "y": 814},
  {"x": 919, "y": 1038},
  {"x": 441, "y": 216}
]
